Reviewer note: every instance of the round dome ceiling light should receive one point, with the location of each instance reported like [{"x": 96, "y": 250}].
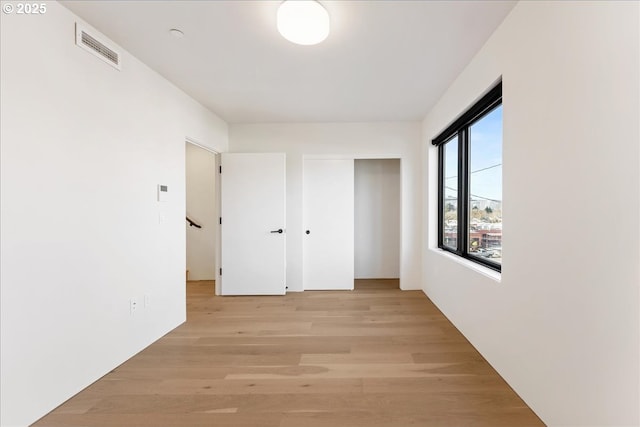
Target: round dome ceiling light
[{"x": 304, "y": 22}]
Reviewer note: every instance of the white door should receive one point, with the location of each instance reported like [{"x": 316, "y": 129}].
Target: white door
[
  {"x": 253, "y": 224},
  {"x": 328, "y": 224}
]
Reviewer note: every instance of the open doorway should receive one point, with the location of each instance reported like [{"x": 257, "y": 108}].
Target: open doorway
[
  {"x": 377, "y": 223},
  {"x": 202, "y": 216}
]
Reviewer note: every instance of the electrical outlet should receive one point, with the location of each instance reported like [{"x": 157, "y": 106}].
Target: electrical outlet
[
  {"x": 147, "y": 300},
  {"x": 133, "y": 305}
]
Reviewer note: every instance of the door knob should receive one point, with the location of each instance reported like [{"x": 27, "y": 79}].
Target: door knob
[
  {"x": 279, "y": 231},
  {"x": 307, "y": 232}
]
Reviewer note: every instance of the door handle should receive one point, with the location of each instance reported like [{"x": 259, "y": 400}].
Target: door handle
[
  {"x": 307, "y": 232},
  {"x": 279, "y": 231}
]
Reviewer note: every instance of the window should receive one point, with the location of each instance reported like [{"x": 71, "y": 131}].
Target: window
[{"x": 470, "y": 183}]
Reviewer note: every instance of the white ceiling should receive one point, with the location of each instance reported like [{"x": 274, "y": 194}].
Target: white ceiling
[{"x": 383, "y": 60}]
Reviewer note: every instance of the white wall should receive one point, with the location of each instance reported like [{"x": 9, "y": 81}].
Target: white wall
[
  {"x": 358, "y": 140},
  {"x": 83, "y": 149},
  {"x": 201, "y": 208},
  {"x": 562, "y": 325},
  {"x": 377, "y": 218}
]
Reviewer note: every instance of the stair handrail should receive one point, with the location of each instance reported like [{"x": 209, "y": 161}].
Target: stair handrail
[{"x": 193, "y": 223}]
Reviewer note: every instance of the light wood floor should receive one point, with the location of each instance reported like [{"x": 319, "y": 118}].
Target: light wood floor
[{"x": 373, "y": 357}]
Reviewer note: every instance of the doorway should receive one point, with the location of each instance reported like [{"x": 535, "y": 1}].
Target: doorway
[
  {"x": 377, "y": 221},
  {"x": 201, "y": 214},
  {"x": 377, "y": 218},
  {"x": 351, "y": 217}
]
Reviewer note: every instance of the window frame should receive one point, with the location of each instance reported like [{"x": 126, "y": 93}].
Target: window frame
[{"x": 459, "y": 130}]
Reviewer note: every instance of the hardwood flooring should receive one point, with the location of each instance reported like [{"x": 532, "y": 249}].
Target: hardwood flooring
[{"x": 375, "y": 357}]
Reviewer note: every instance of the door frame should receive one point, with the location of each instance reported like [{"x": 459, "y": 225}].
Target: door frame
[
  {"x": 217, "y": 260},
  {"x": 355, "y": 157}
]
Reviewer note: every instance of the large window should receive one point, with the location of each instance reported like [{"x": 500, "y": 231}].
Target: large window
[{"x": 470, "y": 183}]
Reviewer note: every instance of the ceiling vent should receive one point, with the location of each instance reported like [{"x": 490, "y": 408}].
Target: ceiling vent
[{"x": 92, "y": 42}]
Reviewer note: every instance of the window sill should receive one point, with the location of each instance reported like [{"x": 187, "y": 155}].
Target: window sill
[{"x": 485, "y": 271}]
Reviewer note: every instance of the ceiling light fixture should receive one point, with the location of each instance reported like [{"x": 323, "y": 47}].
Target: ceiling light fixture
[{"x": 304, "y": 22}]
